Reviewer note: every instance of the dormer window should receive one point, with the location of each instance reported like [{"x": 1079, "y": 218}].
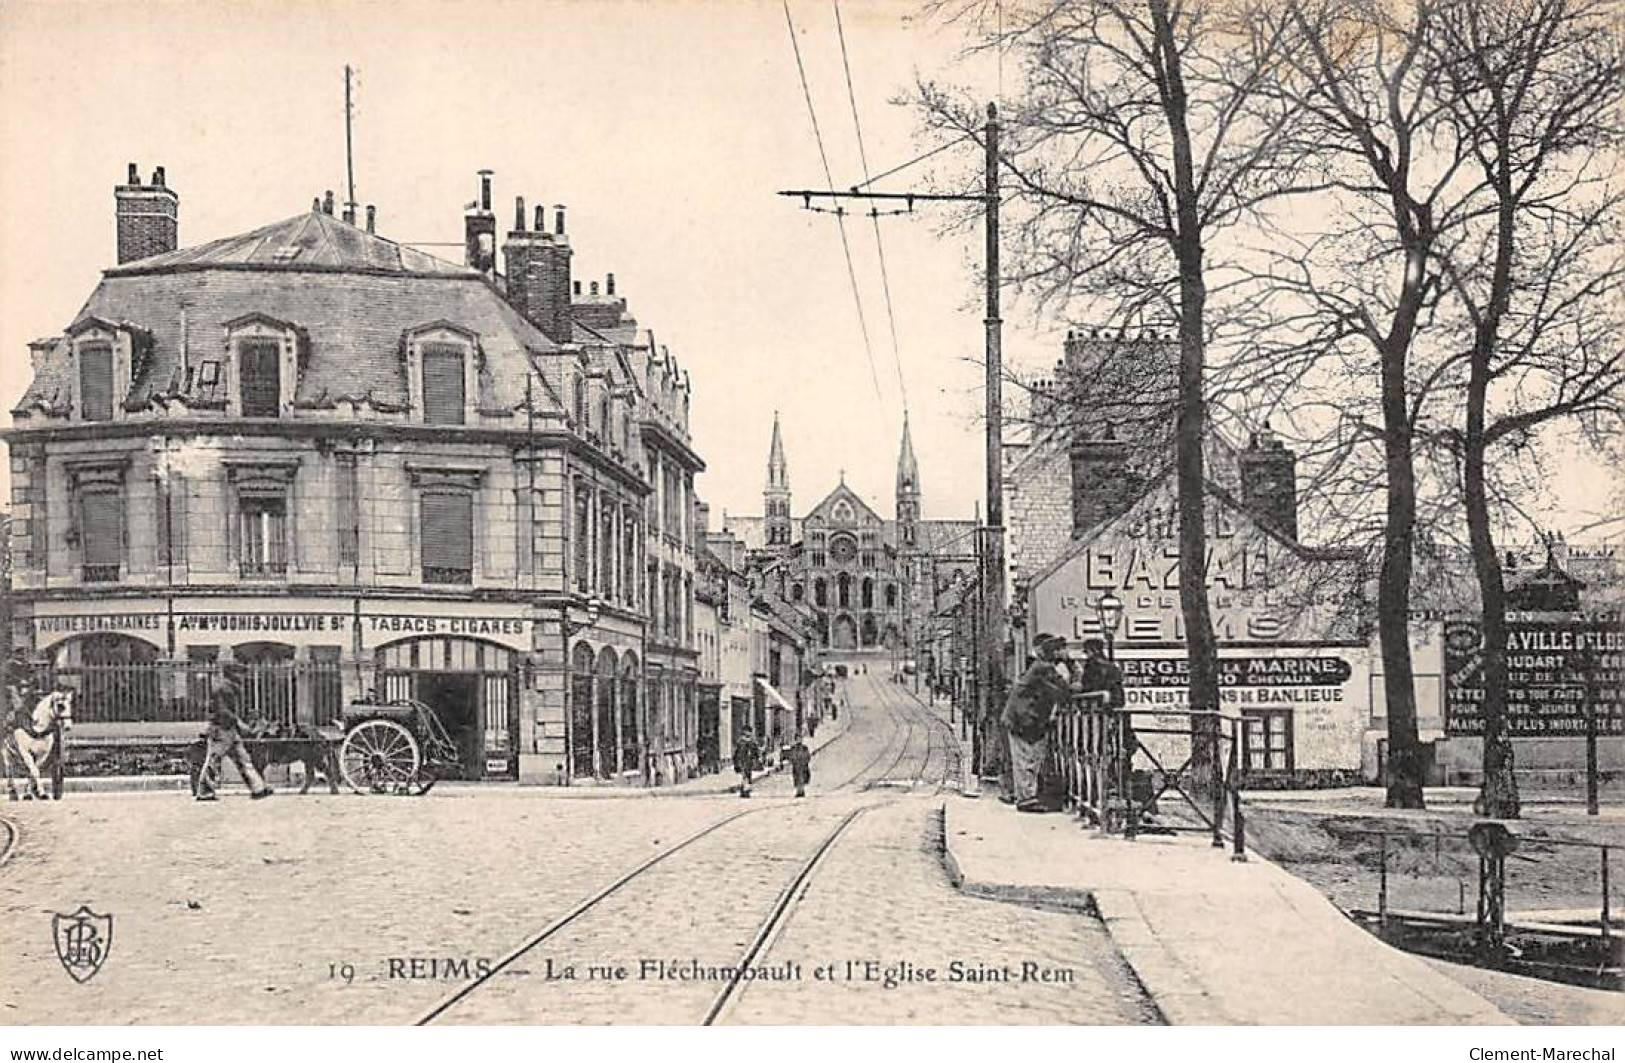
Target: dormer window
[
  {"x": 444, "y": 398},
  {"x": 442, "y": 366},
  {"x": 96, "y": 381},
  {"x": 101, "y": 368},
  {"x": 263, "y": 368},
  {"x": 259, "y": 377}
]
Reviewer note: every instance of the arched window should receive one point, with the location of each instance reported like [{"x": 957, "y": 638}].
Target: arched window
[
  {"x": 820, "y": 592},
  {"x": 868, "y": 593},
  {"x": 795, "y": 592},
  {"x": 891, "y": 596},
  {"x": 844, "y": 590}
]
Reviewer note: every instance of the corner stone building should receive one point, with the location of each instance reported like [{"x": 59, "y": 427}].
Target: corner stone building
[{"x": 343, "y": 465}]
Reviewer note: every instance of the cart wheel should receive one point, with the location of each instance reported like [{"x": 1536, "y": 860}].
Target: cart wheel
[{"x": 378, "y": 756}]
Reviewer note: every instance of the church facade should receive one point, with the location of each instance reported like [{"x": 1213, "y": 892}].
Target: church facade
[{"x": 870, "y": 582}]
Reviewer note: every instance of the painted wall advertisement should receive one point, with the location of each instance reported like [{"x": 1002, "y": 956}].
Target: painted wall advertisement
[
  {"x": 1326, "y": 690},
  {"x": 1557, "y": 666}
]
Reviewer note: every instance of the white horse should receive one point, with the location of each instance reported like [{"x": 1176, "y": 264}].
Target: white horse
[{"x": 37, "y": 738}]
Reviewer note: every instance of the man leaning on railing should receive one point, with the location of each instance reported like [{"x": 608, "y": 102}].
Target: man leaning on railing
[{"x": 1044, "y": 687}]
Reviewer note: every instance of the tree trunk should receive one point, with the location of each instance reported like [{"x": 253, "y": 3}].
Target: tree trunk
[
  {"x": 1404, "y": 766},
  {"x": 1200, "y": 646}
]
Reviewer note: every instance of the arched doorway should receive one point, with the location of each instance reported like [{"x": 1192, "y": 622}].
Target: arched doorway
[
  {"x": 116, "y": 677},
  {"x": 605, "y": 716},
  {"x": 581, "y": 748},
  {"x": 845, "y": 635},
  {"x": 471, "y": 685}
]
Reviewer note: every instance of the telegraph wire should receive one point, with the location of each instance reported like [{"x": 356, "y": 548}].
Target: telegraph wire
[
  {"x": 874, "y": 215},
  {"x": 903, "y": 166},
  {"x": 840, "y": 217}
]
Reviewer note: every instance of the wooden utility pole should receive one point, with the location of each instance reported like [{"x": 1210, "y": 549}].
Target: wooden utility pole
[{"x": 990, "y": 664}]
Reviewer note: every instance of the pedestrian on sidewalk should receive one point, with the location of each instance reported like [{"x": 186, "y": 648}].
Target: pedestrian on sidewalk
[
  {"x": 800, "y": 761},
  {"x": 223, "y": 739},
  {"x": 1101, "y": 682},
  {"x": 747, "y": 760},
  {"x": 1044, "y": 687}
]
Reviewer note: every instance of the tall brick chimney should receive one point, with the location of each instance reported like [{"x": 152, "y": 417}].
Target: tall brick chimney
[
  {"x": 1269, "y": 483},
  {"x": 1102, "y": 484},
  {"x": 538, "y": 268},
  {"x": 146, "y": 216},
  {"x": 480, "y": 230}
]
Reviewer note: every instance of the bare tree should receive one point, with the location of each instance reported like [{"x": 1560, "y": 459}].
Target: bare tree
[
  {"x": 1140, "y": 134},
  {"x": 1535, "y": 87}
]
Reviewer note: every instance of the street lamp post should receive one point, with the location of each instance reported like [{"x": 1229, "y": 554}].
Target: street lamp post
[{"x": 1109, "y": 611}]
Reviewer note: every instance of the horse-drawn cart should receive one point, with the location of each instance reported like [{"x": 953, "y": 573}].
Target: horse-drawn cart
[{"x": 395, "y": 747}]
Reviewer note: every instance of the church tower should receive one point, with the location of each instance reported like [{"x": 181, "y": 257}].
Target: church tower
[
  {"x": 776, "y": 498},
  {"x": 908, "y": 493}
]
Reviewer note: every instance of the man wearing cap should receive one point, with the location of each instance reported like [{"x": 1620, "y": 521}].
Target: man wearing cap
[
  {"x": 1035, "y": 697},
  {"x": 225, "y": 739}
]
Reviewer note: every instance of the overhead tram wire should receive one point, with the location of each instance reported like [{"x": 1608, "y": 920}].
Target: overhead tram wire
[
  {"x": 874, "y": 214},
  {"x": 840, "y": 216}
]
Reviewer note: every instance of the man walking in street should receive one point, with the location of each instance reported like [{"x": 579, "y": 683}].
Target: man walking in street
[
  {"x": 225, "y": 739},
  {"x": 747, "y": 759},
  {"x": 1035, "y": 697},
  {"x": 800, "y": 765}
]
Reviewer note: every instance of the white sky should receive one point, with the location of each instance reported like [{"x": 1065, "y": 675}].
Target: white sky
[{"x": 666, "y": 127}]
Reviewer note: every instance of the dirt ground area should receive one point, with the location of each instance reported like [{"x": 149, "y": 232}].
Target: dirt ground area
[{"x": 1334, "y": 845}]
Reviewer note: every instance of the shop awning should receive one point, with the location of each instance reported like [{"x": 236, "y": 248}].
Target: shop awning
[{"x": 773, "y": 696}]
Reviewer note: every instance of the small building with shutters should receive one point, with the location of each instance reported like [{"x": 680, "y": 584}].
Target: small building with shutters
[{"x": 317, "y": 463}]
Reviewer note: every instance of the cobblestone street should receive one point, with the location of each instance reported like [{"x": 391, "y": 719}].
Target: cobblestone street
[{"x": 347, "y": 909}]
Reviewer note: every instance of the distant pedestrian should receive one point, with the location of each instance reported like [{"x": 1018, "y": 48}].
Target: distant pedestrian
[
  {"x": 224, "y": 738},
  {"x": 800, "y": 761},
  {"x": 1040, "y": 690},
  {"x": 747, "y": 760}
]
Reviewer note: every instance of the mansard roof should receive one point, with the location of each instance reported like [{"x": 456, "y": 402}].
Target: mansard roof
[
  {"x": 304, "y": 242},
  {"x": 352, "y": 301}
]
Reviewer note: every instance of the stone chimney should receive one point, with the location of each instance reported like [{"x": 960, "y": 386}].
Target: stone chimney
[
  {"x": 702, "y": 520},
  {"x": 1269, "y": 483},
  {"x": 1102, "y": 484},
  {"x": 480, "y": 230},
  {"x": 146, "y": 215},
  {"x": 538, "y": 273},
  {"x": 372, "y": 218}
]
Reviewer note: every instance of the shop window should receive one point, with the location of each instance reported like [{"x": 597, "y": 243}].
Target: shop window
[
  {"x": 259, "y": 377},
  {"x": 327, "y": 683},
  {"x": 445, "y": 399},
  {"x": 448, "y": 537},
  {"x": 96, "y": 382},
  {"x": 1269, "y": 739},
  {"x": 263, "y": 535}
]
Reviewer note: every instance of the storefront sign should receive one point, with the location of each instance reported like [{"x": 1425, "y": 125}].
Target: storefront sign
[
  {"x": 1555, "y": 667},
  {"x": 292, "y": 621},
  {"x": 1283, "y": 679},
  {"x": 1259, "y": 588}
]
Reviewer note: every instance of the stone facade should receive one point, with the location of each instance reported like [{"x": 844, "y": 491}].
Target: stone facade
[{"x": 345, "y": 465}]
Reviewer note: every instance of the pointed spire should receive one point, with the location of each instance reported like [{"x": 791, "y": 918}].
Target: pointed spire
[
  {"x": 908, "y": 469},
  {"x": 778, "y": 471}
]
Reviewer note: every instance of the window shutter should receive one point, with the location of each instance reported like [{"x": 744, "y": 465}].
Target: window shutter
[
  {"x": 448, "y": 534},
  {"x": 348, "y": 516},
  {"x": 259, "y": 370},
  {"x": 443, "y": 394},
  {"x": 96, "y": 383},
  {"x": 102, "y": 531}
]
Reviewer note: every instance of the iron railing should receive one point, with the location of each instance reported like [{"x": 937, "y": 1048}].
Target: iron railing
[
  {"x": 287, "y": 693},
  {"x": 1115, "y": 780}
]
